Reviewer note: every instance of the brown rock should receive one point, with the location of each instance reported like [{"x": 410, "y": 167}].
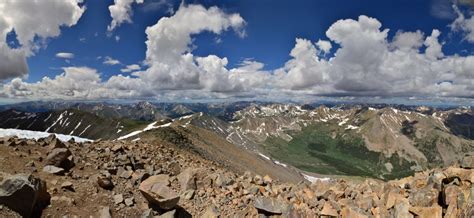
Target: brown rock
[
  {"x": 67, "y": 185},
  {"x": 352, "y": 213},
  {"x": 105, "y": 183},
  {"x": 427, "y": 212},
  {"x": 402, "y": 207},
  {"x": 463, "y": 174},
  {"x": 187, "y": 179},
  {"x": 392, "y": 198},
  {"x": 267, "y": 179},
  {"x": 425, "y": 197},
  {"x": 211, "y": 212},
  {"x": 450, "y": 195},
  {"x": 156, "y": 191},
  {"x": 329, "y": 210}
]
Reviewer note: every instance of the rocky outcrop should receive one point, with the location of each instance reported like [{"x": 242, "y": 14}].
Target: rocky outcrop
[{"x": 123, "y": 179}]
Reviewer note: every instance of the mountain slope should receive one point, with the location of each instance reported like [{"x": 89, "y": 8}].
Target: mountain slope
[
  {"x": 69, "y": 122},
  {"x": 362, "y": 141}
]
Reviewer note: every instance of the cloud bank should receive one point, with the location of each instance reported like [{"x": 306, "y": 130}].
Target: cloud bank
[
  {"x": 32, "y": 22},
  {"x": 357, "y": 58}
]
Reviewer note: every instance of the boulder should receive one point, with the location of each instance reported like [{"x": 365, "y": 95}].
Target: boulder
[
  {"x": 463, "y": 174},
  {"x": 450, "y": 195},
  {"x": 24, "y": 194},
  {"x": 425, "y": 197},
  {"x": 267, "y": 205},
  {"x": 156, "y": 191},
  {"x": 59, "y": 157},
  {"x": 187, "y": 179}
]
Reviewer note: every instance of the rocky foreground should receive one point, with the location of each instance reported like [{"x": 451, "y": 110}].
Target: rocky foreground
[{"x": 50, "y": 178}]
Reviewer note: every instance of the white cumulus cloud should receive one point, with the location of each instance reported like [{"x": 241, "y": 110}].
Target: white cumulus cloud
[
  {"x": 31, "y": 21},
  {"x": 110, "y": 61},
  {"x": 121, "y": 12},
  {"x": 356, "y": 58},
  {"x": 65, "y": 55},
  {"x": 130, "y": 68}
]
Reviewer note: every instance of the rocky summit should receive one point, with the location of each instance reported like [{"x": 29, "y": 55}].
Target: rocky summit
[{"x": 47, "y": 178}]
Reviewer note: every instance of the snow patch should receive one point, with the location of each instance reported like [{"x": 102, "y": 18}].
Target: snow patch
[
  {"x": 279, "y": 163},
  {"x": 264, "y": 156},
  {"x": 147, "y": 128},
  {"x": 313, "y": 179},
  {"x": 352, "y": 127},
  {"x": 58, "y": 120},
  {"x": 83, "y": 131},
  {"x": 28, "y": 134}
]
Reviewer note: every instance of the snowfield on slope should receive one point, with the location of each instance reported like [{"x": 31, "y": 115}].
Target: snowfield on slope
[
  {"x": 149, "y": 127},
  {"x": 28, "y": 134}
]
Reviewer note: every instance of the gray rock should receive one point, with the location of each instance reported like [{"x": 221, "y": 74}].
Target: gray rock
[
  {"x": 187, "y": 179},
  {"x": 67, "y": 185},
  {"x": 169, "y": 214},
  {"x": 53, "y": 170},
  {"x": 148, "y": 213},
  {"x": 118, "y": 199},
  {"x": 129, "y": 201},
  {"x": 269, "y": 205},
  {"x": 24, "y": 194},
  {"x": 468, "y": 162},
  {"x": 58, "y": 157},
  {"x": 55, "y": 143},
  {"x": 105, "y": 212},
  {"x": 127, "y": 174},
  {"x": 188, "y": 195}
]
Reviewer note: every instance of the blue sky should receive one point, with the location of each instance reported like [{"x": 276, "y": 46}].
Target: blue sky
[{"x": 271, "y": 28}]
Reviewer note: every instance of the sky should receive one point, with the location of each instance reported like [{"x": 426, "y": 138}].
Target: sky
[{"x": 265, "y": 49}]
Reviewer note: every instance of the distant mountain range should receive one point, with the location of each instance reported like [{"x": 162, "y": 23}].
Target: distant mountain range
[{"x": 349, "y": 140}]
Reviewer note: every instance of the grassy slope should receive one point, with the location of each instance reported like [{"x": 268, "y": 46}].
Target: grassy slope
[{"x": 313, "y": 149}]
